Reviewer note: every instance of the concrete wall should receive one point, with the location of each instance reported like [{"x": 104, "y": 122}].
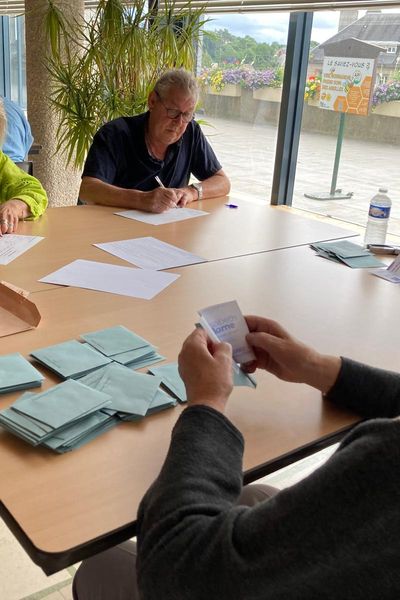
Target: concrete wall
[
  {"x": 244, "y": 107},
  {"x": 375, "y": 127}
]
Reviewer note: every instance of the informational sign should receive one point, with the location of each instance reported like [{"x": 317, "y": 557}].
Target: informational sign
[{"x": 346, "y": 84}]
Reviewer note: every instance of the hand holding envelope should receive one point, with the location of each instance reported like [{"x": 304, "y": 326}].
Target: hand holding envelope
[{"x": 225, "y": 323}]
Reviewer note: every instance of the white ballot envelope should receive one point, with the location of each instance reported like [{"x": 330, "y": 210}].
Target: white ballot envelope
[{"x": 225, "y": 323}]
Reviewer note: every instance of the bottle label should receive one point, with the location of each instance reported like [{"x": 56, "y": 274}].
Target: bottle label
[{"x": 379, "y": 212}]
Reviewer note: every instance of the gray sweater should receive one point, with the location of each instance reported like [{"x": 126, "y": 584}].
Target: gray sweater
[{"x": 335, "y": 535}]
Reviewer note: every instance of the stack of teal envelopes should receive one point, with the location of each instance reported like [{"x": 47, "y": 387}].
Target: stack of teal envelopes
[
  {"x": 100, "y": 391},
  {"x": 61, "y": 418},
  {"x": 70, "y": 359},
  {"x": 346, "y": 252},
  {"x": 123, "y": 346},
  {"x": 16, "y": 373},
  {"x": 133, "y": 395}
]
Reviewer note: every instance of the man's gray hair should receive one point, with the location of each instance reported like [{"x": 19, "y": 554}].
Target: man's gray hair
[
  {"x": 3, "y": 122},
  {"x": 177, "y": 78}
]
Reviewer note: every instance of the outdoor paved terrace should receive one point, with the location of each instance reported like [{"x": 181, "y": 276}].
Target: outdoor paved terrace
[{"x": 247, "y": 154}]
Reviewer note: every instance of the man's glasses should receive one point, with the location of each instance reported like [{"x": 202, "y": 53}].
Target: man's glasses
[{"x": 174, "y": 113}]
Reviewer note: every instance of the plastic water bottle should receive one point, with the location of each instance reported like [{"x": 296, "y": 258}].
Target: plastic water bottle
[{"x": 378, "y": 218}]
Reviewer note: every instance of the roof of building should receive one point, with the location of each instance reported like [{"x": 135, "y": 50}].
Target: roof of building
[{"x": 375, "y": 27}]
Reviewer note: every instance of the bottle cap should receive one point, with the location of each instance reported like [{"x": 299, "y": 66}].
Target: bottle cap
[{"x": 383, "y": 190}]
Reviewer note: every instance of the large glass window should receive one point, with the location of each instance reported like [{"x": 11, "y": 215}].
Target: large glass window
[
  {"x": 241, "y": 68},
  {"x": 344, "y": 157},
  {"x": 12, "y": 52}
]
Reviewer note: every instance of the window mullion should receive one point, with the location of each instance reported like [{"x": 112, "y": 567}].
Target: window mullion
[{"x": 291, "y": 111}]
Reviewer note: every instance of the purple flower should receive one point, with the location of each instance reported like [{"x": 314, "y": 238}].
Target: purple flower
[{"x": 386, "y": 92}]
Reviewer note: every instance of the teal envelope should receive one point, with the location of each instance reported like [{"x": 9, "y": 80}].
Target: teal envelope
[
  {"x": 61, "y": 404},
  {"x": 130, "y": 392},
  {"x": 77, "y": 432},
  {"x": 16, "y": 373},
  {"x": 161, "y": 401},
  {"x": 171, "y": 379},
  {"x": 349, "y": 253},
  {"x": 114, "y": 340},
  {"x": 70, "y": 359},
  {"x": 86, "y": 437},
  {"x": 135, "y": 359},
  {"x": 240, "y": 378},
  {"x": 145, "y": 362},
  {"x": 131, "y": 356}
]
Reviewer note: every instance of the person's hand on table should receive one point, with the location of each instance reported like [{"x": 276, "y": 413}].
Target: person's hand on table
[
  {"x": 286, "y": 357},
  {"x": 206, "y": 370},
  {"x": 10, "y": 213},
  {"x": 160, "y": 199},
  {"x": 186, "y": 196}
]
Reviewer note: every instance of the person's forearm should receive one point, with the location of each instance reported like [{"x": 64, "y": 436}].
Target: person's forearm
[
  {"x": 183, "y": 467},
  {"x": 216, "y": 186},
  {"x": 321, "y": 371},
  {"x": 367, "y": 390},
  {"x": 201, "y": 477},
  {"x": 95, "y": 191}
]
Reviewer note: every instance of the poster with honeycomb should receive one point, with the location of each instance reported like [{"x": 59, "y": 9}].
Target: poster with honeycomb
[{"x": 346, "y": 84}]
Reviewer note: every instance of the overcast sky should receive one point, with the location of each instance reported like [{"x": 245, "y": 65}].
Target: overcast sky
[{"x": 272, "y": 27}]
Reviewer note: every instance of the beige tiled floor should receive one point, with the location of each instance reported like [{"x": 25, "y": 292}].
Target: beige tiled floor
[{"x": 20, "y": 579}]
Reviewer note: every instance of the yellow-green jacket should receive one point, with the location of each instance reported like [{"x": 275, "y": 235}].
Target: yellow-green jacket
[{"x": 15, "y": 183}]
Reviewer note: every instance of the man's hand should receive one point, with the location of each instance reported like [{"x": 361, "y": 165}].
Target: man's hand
[
  {"x": 289, "y": 359},
  {"x": 159, "y": 200},
  {"x": 186, "y": 195},
  {"x": 10, "y": 213},
  {"x": 206, "y": 369}
]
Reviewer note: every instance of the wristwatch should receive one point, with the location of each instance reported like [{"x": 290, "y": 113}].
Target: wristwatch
[{"x": 199, "y": 188}]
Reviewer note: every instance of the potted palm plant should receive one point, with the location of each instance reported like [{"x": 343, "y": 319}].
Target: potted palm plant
[{"x": 104, "y": 65}]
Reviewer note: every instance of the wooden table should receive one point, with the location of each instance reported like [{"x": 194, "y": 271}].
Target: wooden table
[
  {"x": 64, "y": 508},
  {"x": 224, "y": 233}
]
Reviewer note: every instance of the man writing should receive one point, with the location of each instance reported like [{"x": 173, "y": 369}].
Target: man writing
[{"x": 128, "y": 154}]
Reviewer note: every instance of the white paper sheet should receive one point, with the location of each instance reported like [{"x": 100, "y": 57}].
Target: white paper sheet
[
  {"x": 392, "y": 273},
  {"x": 169, "y": 216},
  {"x": 150, "y": 253},
  {"x": 13, "y": 245},
  {"x": 125, "y": 281}
]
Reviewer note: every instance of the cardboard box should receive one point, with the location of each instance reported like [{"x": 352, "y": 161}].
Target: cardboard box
[{"x": 17, "y": 312}]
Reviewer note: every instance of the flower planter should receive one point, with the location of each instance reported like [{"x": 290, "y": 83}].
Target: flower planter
[
  {"x": 230, "y": 89},
  {"x": 313, "y": 101},
  {"x": 388, "y": 109},
  {"x": 269, "y": 94}
]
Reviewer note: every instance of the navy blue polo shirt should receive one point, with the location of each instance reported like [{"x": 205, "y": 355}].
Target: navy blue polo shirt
[{"x": 119, "y": 156}]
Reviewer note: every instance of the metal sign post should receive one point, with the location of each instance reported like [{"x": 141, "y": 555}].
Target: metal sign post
[{"x": 347, "y": 85}]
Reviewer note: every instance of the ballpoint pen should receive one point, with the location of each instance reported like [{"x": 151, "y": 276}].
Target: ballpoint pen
[
  {"x": 383, "y": 249},
  {"x": 160, "y": 183}
]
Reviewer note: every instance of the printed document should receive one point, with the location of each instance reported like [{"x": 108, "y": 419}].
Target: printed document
[
  {"x": 150, "y": 253},
  {"x": 392, "y": 273},
  {"x": 169, "y": 216},
  {"x": 13, "y": 245},
  {"x": 125, "y": 281}
]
